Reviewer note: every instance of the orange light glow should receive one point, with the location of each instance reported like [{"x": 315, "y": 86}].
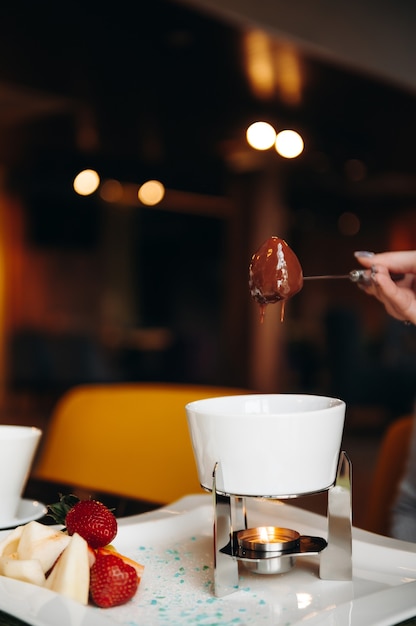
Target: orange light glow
[
  {"x": 261, "y": 135},
  {"x": 272, "y": 68},
  {"x": 289, "y": 144},
  {"x": 288, "y": 75},
  {"x": 264, "y": 536},
  {"x": 348, "y": 224},
  {"x": 151, "y": 192},
  {"x": 111, "y": 190},
  {"x": 259, "y": 63},
  {"x": 86, "y": 182}
]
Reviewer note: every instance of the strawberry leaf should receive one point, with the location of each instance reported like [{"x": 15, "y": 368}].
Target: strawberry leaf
[{"x": 59, "y": 510}]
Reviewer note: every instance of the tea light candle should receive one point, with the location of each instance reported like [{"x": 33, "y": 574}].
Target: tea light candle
[{"x": 268, "y": 539}]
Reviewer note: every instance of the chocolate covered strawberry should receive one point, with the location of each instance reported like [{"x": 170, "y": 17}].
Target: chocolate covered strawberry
[
  {"x": 112, "y": 581},
  {"x": 275, "y": 274}
]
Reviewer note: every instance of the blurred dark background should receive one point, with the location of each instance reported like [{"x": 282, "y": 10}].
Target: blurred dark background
[{"x": 103, "y": 288}]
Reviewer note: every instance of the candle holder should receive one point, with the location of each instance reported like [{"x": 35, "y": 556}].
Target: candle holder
[
  {"x": 268, "y": 539},
  {"x": 273, "y": 549}
]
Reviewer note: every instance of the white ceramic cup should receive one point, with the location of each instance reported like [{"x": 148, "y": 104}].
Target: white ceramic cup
[
  {"x": 18, "y": 445},
  {"x": 273, "y": 445}
]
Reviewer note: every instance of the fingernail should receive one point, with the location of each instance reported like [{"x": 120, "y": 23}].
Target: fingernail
[{"x": 363, "y": 253}]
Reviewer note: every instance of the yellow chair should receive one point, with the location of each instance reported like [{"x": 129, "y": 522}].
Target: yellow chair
[
  {"x": 389, "y": 469},
  {"x": 126, "y": 439}
]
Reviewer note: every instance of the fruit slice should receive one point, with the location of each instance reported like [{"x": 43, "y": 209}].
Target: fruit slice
[
  {"x": 9, "y": 544},
  {"x": 113, "y": 582},
  {"x": 111, "y": 550},
  {"x": 71, "y": 573},
  {"x": 41, "y": 542},
  {"x": 28, "y": 571}
]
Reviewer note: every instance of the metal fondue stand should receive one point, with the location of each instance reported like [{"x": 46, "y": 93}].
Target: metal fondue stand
[{"x": 273, "y": 550}]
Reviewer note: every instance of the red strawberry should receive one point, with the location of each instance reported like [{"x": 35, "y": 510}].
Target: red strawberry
[
  {"x": 93, "y": 521},
  {"x": 112, "y": 581},
  {"x": 111, "y": 550}
]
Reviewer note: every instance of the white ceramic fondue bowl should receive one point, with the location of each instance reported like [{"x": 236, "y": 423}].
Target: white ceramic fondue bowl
[{"x": 274, "y": 445}]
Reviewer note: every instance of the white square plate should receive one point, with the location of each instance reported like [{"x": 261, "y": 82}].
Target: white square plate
[{"x": 174, "y": 544}]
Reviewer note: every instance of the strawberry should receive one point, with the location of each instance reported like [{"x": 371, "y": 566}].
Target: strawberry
[
  {"x": 112, "y": 581},
  {"x": 93, "y": 521},
  {"x": 89, "y": 518},
  {"x": 111, "y": 550}
]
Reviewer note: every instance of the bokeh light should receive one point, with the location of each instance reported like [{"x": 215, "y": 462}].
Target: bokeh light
[
  {"x": 348, "y": 224},
  {"x": 355, "y": 170},
  {"x": 289, "y": 144},
  {"x": 261, "y": 135},
  {"x": 86, "y": 182},
  {"x": 111, "y": 190},
  {"x": 151, "y": 192}
]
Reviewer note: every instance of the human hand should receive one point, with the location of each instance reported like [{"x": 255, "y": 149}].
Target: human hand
[{"x": 398, "y": 298}]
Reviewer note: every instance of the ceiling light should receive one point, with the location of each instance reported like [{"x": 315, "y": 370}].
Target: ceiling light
[
  {"x": 289, "y": 144},
  {"x": 261, "y": 135}
]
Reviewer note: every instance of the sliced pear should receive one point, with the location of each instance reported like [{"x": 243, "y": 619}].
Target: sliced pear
[
  {"x": 28, "y": 571},
  {"x": 71, "y": 574},
  {"x": 91, "y": 556},
  {"x": 9, "y": 544},
  {"x": 41, "y": 542}
]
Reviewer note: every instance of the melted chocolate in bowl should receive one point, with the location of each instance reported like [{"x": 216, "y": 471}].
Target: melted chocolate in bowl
[{"x": 275, "y": 274}]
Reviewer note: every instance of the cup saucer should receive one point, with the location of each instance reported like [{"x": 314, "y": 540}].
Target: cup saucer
[{"x": 28, "y": 511}]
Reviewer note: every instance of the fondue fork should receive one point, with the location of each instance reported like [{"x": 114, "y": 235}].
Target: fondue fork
[{"x": 361, "y": 277}]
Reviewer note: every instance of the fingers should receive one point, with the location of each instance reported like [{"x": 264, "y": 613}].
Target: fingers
[
  {"x": 369, "y": 285},
  {"x": 398, "y": 299},
  {"x": 401, "y": 261}
]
